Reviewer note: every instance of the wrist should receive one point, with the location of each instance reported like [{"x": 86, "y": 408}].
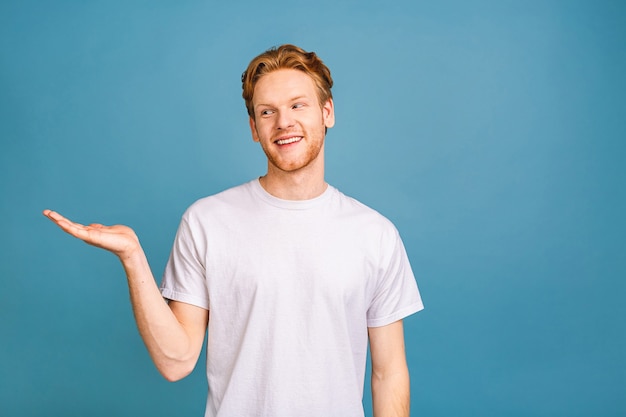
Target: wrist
[{"x": 133, "y": 257}]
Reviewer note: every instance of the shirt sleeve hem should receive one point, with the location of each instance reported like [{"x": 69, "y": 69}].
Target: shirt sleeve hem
[
  {"x": 170, "y": 294},
  {"x": 398, "y": 315}
]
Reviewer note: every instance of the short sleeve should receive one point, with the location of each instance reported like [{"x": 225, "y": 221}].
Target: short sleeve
[
  {"x": 184, "y": 278},
  {"x": 396, "y": 295}
]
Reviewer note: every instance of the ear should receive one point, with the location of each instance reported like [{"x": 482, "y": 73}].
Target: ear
[
  {"x": 328, "y": 113},
  {"x": 255, "y": 137}
]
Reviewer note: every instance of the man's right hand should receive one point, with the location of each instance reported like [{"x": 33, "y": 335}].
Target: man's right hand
[{"x": 120, "y": 240}]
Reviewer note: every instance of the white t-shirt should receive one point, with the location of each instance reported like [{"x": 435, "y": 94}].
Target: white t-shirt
[{"x": 292, "y": 287}]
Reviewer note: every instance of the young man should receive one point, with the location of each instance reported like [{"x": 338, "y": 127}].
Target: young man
[{"x": 295, "y": 276}]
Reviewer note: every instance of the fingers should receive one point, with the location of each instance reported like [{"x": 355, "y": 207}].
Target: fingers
[
  {"x": 53, "y": 215},
  {"x": 68, "y": 226},
  {"x": 119, "y": 239},
  {"x": 57, "y": 218}
]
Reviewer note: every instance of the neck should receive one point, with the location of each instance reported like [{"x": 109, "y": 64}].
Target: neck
[{"x": 303, "y": 184}]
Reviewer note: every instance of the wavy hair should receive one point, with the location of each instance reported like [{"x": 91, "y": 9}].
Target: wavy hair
[{"x": 286, "y": 57}]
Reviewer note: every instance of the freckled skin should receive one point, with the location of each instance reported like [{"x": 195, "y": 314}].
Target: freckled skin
[{"x": 286, "y": 105}]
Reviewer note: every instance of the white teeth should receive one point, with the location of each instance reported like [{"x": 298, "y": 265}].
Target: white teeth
[{"x": 289, "y": 140}]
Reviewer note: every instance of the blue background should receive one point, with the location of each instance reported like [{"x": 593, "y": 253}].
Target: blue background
[{"x": 490, "y": 132}]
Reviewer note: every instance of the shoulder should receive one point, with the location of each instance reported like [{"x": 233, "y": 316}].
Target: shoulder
[
  {"x": 363, "y": 216},
  {"x": 352, "y": 206},
  {"x": 238, "y": 196}
]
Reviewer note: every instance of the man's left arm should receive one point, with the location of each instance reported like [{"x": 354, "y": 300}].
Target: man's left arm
[{"x": 390, "y": 373}]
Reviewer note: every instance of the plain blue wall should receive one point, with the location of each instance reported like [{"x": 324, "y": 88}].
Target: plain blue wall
[{"x": 491, "y": 132}]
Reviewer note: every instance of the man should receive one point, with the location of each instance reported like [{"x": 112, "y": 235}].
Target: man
[{"x": 295, "y": 276}]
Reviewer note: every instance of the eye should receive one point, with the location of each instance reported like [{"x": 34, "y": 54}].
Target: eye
[
  {"x": 266, "y": 112},
  {"x": 297, "y": 106}
]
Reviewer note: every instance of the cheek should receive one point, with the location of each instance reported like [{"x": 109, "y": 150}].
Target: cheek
[
  {"x": 262, "y": 131},
  {"x": 257, "y": 128}
]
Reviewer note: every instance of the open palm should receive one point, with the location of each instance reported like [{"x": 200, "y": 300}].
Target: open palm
[{"x": 119, "y": 239}]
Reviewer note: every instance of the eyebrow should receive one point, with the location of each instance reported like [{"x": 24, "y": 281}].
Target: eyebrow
[{"x": 301, "y": 97}]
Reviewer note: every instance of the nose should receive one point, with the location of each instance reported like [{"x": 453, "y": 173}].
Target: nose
[{"x": 284, "y": 120}]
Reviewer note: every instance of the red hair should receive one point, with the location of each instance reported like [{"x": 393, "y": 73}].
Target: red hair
[{"x": 286, "y": 57}]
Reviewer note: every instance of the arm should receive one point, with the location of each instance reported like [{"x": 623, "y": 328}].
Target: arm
[
  {"x": 173, "y": 333},
  {"x": 390, "y": 374}
]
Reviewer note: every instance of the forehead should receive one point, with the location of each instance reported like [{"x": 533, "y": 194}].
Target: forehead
[{"x": 283, "y": 84}]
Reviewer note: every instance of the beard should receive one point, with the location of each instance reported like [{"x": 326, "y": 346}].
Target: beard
[{"x": 297, "y": 159}]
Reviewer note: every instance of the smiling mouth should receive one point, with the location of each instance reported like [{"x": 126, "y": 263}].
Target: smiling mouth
[{"x": 287, "y": 141}]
